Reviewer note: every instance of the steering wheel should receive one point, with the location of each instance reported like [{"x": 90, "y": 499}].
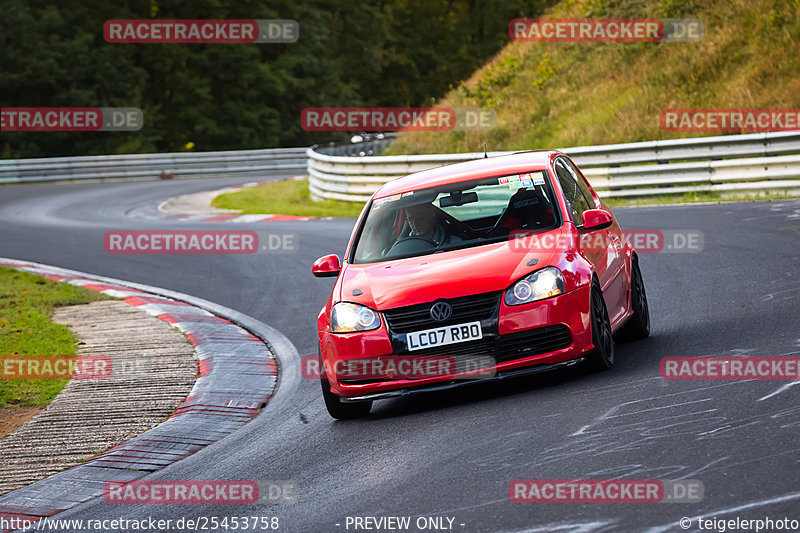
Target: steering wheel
[{"x": 419, "y": 238}]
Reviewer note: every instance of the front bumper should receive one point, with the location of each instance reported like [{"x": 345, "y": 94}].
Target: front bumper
[
  {"x": 513, "y": 337},
  {"x": 507, "y": 374}
]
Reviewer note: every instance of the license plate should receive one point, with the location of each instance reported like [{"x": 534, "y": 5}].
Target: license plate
[{"x": 444, "y": 335}]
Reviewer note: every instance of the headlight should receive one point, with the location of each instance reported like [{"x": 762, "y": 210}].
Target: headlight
[
  {"x": 541, "y": 284},
  {"x": 347, "y": 317}
]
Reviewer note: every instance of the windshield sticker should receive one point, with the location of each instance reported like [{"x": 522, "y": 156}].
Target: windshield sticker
[{"x": 521, "y": 181}]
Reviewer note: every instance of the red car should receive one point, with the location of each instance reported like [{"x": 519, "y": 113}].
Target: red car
[{"x": 476, "y": 271}]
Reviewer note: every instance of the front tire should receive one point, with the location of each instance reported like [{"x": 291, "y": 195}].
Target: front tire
[
  {"x": 602, "y": 357},
  {"x": 340, "y": 410}
]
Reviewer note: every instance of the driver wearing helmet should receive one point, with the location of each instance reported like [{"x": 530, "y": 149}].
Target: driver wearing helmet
[{"x": 423, "y": 221}]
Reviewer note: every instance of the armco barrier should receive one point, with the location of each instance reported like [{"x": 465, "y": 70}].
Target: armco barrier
[
  {"x": 242, "y": 163},
  {"x": 751, "y": 163}
]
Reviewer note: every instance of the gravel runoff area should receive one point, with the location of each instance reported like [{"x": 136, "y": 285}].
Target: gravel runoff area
[
  {"x": 153, "y": 371},
  {"x": 237, "y": 375}
]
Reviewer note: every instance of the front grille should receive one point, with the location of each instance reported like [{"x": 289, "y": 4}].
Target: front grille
[
  {"x": 465, "y": 357},
  {"x": 508, "y": 347},
  {"x": 488, "y": 351},
  {"x": 468, "y": 356},
  {"x": 533, "y": 342},
  {"x": 465, "y": 309}
]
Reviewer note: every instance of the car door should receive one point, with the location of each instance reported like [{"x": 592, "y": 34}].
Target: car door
[{"x": 603, "y": 248}]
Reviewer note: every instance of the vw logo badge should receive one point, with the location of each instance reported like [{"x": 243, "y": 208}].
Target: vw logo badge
[{"x": 441, "y": 311}]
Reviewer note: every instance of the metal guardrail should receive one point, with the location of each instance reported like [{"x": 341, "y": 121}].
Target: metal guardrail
[
  {"x": 242, "y": 163},
  {"x": 751, "y": 163},
  {"x": 731, "y": 163}
]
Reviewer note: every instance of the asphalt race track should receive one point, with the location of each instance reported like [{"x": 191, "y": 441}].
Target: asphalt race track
[{"x": 454, "y": 454}]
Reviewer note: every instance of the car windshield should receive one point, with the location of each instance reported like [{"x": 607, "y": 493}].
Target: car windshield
[{"x": 459, "y": 215}]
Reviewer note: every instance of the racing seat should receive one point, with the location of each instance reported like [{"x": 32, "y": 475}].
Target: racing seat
[{"x": 527, "y": 209}]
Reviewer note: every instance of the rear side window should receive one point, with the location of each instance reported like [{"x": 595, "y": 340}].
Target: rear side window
[
  {"x": 576, "y": 201},
  {"x": 587, "y": 192}
]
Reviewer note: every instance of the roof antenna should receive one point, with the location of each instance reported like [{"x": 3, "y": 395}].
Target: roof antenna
[{"x": 485, "y": 155}]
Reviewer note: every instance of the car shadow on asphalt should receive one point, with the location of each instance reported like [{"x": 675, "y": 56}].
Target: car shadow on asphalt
[{"x": 629, "y": 361}]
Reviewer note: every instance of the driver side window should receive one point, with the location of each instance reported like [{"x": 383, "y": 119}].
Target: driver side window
[{"x": 576, "y": 201}]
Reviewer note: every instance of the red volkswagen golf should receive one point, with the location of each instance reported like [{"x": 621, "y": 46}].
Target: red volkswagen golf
[{"x": 476, "y": 271}]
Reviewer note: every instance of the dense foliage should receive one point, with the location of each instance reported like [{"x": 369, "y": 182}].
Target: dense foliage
[{"x": 237, "y": 96}]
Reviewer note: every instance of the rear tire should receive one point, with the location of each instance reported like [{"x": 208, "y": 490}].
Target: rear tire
[
  {"x": 638, "y": 325},
  {"x": 340, "y": 410},
  {"x": 602, "y": 357}
]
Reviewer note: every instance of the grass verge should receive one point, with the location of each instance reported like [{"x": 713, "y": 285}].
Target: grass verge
[
  {"x": 693, "y": 197},
  {"x": 288, "y": 197},
  {"x": 27, "y": 303},
  {"x": 292, "y": 198},
  {"x": 556, "y": 94}
]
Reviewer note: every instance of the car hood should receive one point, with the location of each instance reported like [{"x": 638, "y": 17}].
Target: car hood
[{"x": 402, "y": 282}]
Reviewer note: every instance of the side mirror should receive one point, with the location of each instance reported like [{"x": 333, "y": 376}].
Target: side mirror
[
  {"x": 595, "y": 219},
  {"x": 326, "y": 267}
]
